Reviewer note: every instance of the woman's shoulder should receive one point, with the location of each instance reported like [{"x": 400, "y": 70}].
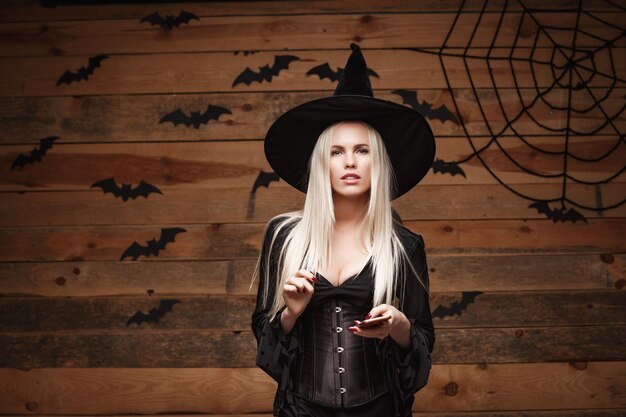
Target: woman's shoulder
[
  {"x": 285, "y": 221},
  {"x": 408, "y": 238}
]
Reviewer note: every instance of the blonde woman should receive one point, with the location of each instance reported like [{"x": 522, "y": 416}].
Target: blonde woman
[{"x": 342, "y": 319}]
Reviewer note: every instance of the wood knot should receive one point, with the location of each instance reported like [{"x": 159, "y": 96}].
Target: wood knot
[
  {"x": 246, "y": 107},
  {"x": 76, "y": 271},
  {"x": 524, "y": 229},
  {"x": 60, "y": 281},
  {"x": 607, "y": 258},
  {"x": 581, "y": 366},
  {"x": 367, "y": 18},
  {"x": 620, "y": 283},
  {"x": 31, "y": 406},
  {"x": 448, "y": 229},
  {"x": 482, "y": 366},
  {"x": 451, "y": 389}
]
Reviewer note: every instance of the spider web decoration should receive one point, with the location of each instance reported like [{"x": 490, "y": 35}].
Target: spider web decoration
[{"x": 574, "y": 71}]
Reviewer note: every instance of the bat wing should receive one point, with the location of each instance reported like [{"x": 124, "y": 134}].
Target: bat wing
[
  {"x": 108, "y": 185},
  {"x": 135, "y": 250},
  {"x": 213, "y": 113},
  {"x": 168, "y": 235},
  {"x": 247, "y": 76},
  {"x": 439, "y": 165},
  {"x": 95, "y": 62},
  {"x": 68, "y": 77},
  {"x": 542, "y": 208},
  {"x": 154, "y": 19},
  {"x": 138, "y": 318},
  {"x": 47, "y": 143},
  {"x": 456, "y": 307},
  {"x": 410, "y": 98},
  {"x": 442, "y": 113},
  {"x": 21, "y": 160},
  {"x": 184, "y": 17},
  {"x": 177, "y": 117},
  {"x": 166, "y": 306},
  {"x": 264, "y": 179},
  {"x": 573, "y": 215},
  {"x": 372, "y": 73},
  {"x": 324, "y": 71},
  {"x": 282, "y": 62},
  {"x": 144, "y": 189}
]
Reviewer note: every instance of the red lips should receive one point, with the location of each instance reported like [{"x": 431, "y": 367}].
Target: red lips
[{"x": 350, "y": 175}]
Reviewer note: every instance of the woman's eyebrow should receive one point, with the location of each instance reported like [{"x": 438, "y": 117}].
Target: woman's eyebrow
[{"x": 356, "y": 146}]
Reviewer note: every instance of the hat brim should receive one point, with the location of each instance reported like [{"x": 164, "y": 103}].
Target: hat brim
[{"x": 408, "y": 138}]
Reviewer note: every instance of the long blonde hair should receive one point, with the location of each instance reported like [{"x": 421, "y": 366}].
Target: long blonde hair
[{"x": 307, "y": 244}]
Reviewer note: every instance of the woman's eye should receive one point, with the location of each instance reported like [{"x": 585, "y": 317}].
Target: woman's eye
[
  {"x": 335, "y": 152},
  {"x": 363, "y": 150}
]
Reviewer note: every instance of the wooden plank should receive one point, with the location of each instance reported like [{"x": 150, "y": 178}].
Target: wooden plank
[
  {"x": 596, "y": 387},
  {"x": 529, "y": 272},
  {"x": 276, "y": 32},
  {"x": 552, "y": 413},
  {"x": 236, "y": 164},
  {"x": 190, "y": 72},
  {"x": 230, "y": 241},
  {"x": 237, "y": 205},
  {"x": 124, "y": 118},
  {"x": 142, "y": 347},
  {"x": 31, "y": 11},
  {"x": 233, "y": 313}
]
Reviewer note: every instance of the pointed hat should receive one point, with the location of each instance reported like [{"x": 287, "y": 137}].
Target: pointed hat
[{"x": 407, "y": 136}]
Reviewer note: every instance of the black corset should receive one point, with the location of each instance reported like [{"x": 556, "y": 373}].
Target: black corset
[{"x": 338, "y": 368}]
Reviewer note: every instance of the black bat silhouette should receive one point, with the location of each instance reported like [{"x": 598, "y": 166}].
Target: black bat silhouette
[
  {"x": 264, "y": 179},
  {"x": 557, "y": 214},
  {"x": 35, "y": 155},
  {"x": 167, "y": 235},
  {"x": 125, "y": 191},
  {"x": 456, "y": 307},
  {"x": 324, "y": 71},
  {"x": 196, "y": 118},
  {"x": 83, "y": 73},
  {"x": 169, "y": 21},
  {"x": 154, "y": 314},
  {"x": 447, "y": 167},
  {"x": 266, "y": 72},
  {"x": 441, "y": 113}
]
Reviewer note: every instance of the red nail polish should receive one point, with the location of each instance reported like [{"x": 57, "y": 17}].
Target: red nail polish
[{"x": 368, "y": 316}]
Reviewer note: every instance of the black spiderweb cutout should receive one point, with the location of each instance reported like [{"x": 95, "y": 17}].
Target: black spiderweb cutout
[{"x": 574, "y": 71}]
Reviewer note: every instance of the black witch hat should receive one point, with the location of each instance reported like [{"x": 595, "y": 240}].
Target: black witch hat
[{"x": 408, "y": 138}]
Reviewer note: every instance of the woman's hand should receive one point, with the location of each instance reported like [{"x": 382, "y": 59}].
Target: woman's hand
[
  {"x": 298, "y": 291},
  {"x": 397, "y": 327}
]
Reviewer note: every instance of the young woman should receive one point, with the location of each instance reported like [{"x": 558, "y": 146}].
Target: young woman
[{"x": 342, "y": 320}]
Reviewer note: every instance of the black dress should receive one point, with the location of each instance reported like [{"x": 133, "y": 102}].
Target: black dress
[{"x": 406, "y": 370}]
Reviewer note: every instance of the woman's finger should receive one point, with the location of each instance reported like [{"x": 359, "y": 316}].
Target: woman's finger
[
  {"x": 307, "y": 274},
  {"x": 288, "y": 288}
]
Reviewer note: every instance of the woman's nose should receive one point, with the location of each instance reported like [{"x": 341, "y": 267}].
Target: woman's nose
[{"x": 349, "y": 161}]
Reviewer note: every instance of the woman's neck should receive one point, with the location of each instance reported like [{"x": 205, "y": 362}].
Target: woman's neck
[{"x": 349, "y": 211}]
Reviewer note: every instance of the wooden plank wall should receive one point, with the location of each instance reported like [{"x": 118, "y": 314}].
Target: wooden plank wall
[{"x": 539, "y": 327}]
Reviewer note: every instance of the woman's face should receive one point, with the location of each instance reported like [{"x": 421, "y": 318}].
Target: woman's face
[{"x": 350, "y": 160}]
